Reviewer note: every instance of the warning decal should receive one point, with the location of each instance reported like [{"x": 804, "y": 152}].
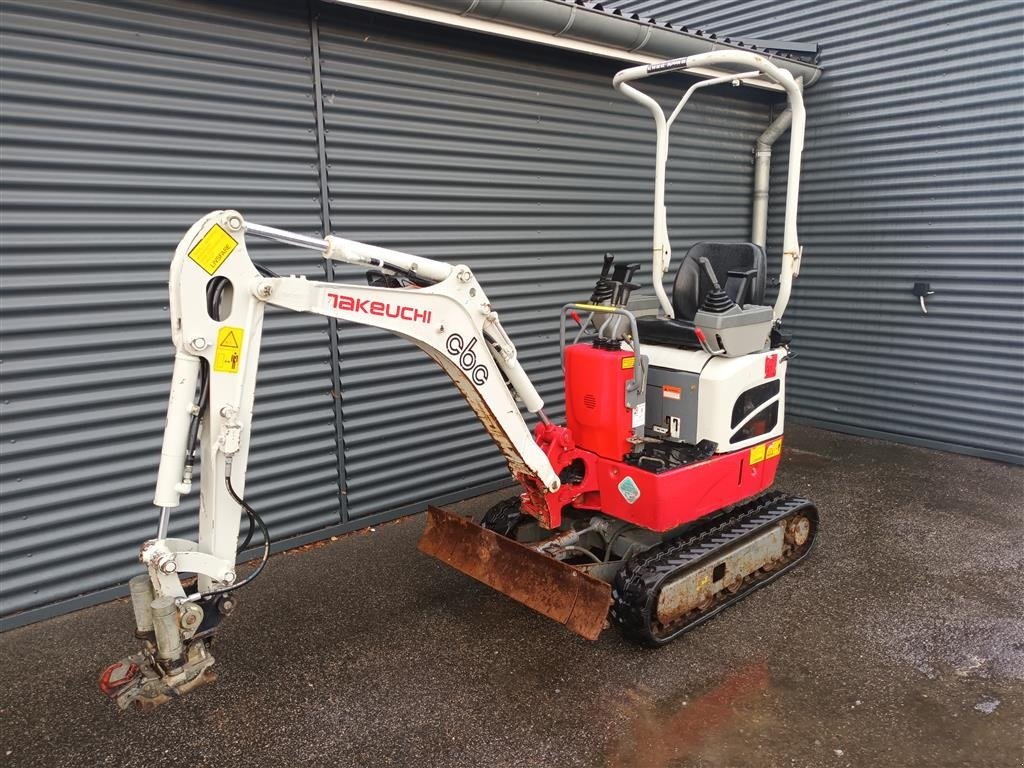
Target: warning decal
[
  {"x": 229, "y": 350},
  {"x": 628, "y": 362},
  {"x": 774, "y": 449},
  {"x": 213, "y": 250},
  {"x": 757, "y": 454},
  {"x": 672, "y": 393}
]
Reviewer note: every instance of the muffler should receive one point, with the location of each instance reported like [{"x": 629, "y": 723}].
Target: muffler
[{"x": 548, "y": 586}]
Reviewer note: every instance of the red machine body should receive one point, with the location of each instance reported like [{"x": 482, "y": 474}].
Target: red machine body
[{"x": 597, "y": 440}]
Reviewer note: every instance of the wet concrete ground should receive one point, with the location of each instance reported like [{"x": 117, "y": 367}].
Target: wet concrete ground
[{"x": 899, "y": 642}]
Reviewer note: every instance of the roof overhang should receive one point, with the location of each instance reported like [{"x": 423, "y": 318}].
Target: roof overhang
[{"x": 571, "y": 26}]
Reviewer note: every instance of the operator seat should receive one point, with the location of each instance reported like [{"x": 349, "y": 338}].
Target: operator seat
[{"x": 741, "y": 270}]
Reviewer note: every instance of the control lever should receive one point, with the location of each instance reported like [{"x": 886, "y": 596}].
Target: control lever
[
  {"x": 703, "y": 341},
  {"x": 609, "y": 260},
  {"x": 623, "y": 275},
  {"x": 741, "y": 280},
  {"x": 604, "y": 288},
  {"x": 716, "y": 301}
]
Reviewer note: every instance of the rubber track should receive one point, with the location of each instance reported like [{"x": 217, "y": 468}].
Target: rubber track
[{"x": 638, "y": 583}]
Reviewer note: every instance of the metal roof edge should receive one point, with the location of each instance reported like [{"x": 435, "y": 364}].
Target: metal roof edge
[{"x": 583, "y": 26}]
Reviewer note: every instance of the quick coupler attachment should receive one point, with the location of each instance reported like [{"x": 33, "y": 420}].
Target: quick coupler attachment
[
  {"x": 175, "y": 657},
  {"x": 146, "y": 682}
]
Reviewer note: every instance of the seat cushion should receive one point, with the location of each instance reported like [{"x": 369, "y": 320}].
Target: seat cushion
[{"x": 667, "y": 333}]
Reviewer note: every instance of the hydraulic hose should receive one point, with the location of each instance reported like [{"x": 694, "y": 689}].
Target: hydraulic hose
[{"x": 254, "y": 519}]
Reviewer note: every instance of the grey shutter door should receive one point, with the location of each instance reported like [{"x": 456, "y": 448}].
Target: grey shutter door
[
  {"x": 525, "y": 165},
  {"x": 123, "y": 123},
  {"x": 913, "y": 171}
]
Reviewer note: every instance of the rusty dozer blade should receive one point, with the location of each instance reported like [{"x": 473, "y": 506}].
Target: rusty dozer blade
[{"x": 548, "y": 586}]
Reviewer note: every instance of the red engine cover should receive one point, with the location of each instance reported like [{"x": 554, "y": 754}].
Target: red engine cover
[{"x": 595, "y": 399}]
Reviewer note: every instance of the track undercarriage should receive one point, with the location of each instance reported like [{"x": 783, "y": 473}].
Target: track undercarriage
[{"x": 654, "y": 587}]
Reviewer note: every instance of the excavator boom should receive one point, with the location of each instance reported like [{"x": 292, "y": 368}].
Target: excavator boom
[{"x": 217, "y": 301}]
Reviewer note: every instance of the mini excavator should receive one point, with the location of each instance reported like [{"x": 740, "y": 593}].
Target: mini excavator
[{"x": 649, "y": 508}]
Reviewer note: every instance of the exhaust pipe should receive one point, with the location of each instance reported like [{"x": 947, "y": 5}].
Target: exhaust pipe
[{"x": 762, "y": 175}]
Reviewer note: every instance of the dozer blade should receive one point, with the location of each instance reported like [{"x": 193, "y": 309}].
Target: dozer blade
[{"x": 548, "y": 586}]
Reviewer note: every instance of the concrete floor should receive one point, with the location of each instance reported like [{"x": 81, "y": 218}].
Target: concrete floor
[{"x": 899, "y": 642}]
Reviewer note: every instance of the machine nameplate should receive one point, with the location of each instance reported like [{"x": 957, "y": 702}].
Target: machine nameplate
[
  {"x": 229, "y": 350},
  {"x": 639, "y": 415},
  {"x": 213, "y": 250}
]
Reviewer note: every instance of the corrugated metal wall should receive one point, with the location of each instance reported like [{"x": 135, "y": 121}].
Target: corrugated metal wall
[
  {"x": 913, "y": 171},
  {"x": 122, "y": 124},
  {"x": 525, "y": 166},
  {"x": 125, "y": 121}
]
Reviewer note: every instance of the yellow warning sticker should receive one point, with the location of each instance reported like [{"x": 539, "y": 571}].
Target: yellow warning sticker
[
  {"x": 229, "y": 350},
  {"x": 757, "y": 454},
  {"x": 213, "y": 250},
  {"x": 774, "y": 449},
  {"x": 628, "y": 362}
]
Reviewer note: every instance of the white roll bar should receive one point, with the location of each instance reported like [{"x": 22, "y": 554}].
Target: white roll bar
[{"x": 760, "y": 65}]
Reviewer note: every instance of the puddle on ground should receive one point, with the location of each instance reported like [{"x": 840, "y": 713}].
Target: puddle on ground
[{"x": 663, "y": 734}]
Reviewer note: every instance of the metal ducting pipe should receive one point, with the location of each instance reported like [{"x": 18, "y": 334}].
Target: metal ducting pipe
[
  {"x": 762, "y": 174},
  {"x": 638, "y": 40}
]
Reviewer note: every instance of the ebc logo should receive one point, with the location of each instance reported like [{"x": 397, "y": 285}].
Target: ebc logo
[
  {"x": 465, "y": 356},
  {"x": 379, "y": 308}
]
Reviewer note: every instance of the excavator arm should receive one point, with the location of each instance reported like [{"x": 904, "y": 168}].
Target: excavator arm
[{"x": 217, "y": 302}]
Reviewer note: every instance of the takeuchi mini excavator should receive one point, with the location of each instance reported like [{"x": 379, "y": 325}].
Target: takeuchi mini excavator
[{"x": 649, "y": 508}]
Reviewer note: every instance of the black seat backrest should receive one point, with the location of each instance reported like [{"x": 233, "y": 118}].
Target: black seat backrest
[{"x": 692, "y": 284}]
